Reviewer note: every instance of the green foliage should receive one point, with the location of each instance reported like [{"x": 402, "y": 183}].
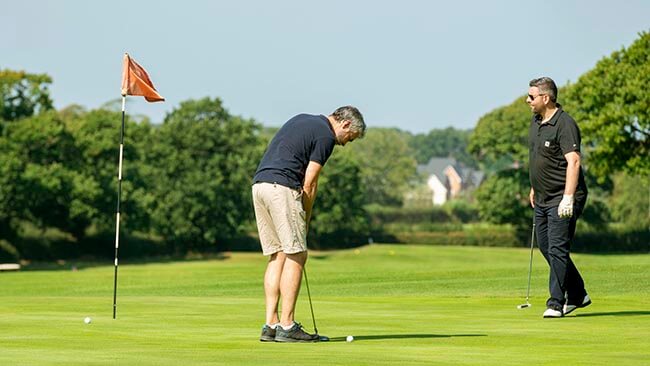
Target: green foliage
[
  {"x": 442, "y": 143},
  {"x": 501, "y": 136},
  {"x": 338, "y": 218},
  {"x": 382, "y": 215},
  {"x": 387, "y": 165},
  {"x": 462, "y": 209},
  {"x": 630, "y": 200},
  {"x": 45, "y": 188},
  {"x": 23, "y": 95},
  {"x": 200, "y": 166},
  {"x": 612, "y": 105},
  {"x": 97, "y": 136},
  {"x": 8, "y": 253},
  {"x": 11, "y": 199},
  {"x": 503, "y": 198},
  {"x": 611, "y": 239}
]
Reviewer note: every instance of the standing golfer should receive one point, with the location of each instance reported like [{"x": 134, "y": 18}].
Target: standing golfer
[
  {"x": 284, "y": 190},
  {"x": 558, "y": 194}
]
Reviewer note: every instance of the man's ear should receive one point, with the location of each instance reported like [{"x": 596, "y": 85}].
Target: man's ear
[{"x": 346, "y": 123}]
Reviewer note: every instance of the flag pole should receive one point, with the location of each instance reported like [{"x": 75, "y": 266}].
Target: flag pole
[{"x": 119, "y": 199}]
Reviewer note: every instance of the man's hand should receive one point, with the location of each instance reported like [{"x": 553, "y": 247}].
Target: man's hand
[
  {"x": 531, "y": 197},
  {"x": 566, "y": 206}
]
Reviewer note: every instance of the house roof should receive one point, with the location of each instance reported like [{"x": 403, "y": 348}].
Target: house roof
[{"x": 437, "y": 166}]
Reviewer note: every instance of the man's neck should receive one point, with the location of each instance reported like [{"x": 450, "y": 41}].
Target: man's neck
[{"x": 548, "y": 113}]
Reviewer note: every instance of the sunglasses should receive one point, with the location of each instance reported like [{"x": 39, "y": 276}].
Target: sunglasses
[{"x": 534, "y": 97}]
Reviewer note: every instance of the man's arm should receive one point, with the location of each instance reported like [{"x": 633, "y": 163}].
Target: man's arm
[
  {"x": 572, "y": 172},
  {"x": 309, "y": 188},
  {"x": 531, "y": 197}
]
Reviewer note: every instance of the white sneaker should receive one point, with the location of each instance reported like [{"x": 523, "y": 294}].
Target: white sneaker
[
  {"x": 586, "y": 301},
  {"x": 552, "y": 313}
]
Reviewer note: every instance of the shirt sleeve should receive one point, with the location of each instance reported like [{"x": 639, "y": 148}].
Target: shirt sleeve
[
  {"x": 569, "y": 136},
  {"x": 322, "y": 150}
]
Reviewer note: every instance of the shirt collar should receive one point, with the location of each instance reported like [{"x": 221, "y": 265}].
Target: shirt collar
[{"x": 553, "y": 120}]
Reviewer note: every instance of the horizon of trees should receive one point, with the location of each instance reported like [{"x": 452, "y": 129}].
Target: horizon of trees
[{"x": 187, "y": 180}]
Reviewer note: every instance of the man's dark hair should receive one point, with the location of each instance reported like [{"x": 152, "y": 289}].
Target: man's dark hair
[{"x": 546, "y": 86}]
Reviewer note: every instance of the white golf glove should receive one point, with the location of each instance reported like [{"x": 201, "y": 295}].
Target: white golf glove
[{"x": 566, "y": 206}]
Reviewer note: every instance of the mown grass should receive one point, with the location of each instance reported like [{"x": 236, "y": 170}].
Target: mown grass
[{"x": 405, "y": 305}]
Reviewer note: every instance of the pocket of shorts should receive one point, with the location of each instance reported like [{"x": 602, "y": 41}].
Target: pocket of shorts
[{"x": 297, "y": 194}]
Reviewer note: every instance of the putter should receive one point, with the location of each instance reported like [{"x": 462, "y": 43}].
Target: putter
[
  {"x": 313, "y": 319},
  {"x": 530, "y": 269}
]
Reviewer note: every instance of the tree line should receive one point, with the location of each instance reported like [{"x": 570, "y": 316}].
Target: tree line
[{"x": 187, "y": 180}]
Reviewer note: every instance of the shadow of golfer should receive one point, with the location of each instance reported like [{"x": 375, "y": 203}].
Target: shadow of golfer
[
  {"x": 616, "y": 313},
  {"x": 403, "y": 336}
]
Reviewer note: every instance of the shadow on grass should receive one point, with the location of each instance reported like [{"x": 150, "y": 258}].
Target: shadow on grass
[
  {"x": 403, "y": 336},
  {"x": 319, "y": 256},
  {"x": 615, "y": 313}
]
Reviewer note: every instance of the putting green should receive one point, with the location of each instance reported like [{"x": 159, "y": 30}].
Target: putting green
[{"x": 404, "y": 304}]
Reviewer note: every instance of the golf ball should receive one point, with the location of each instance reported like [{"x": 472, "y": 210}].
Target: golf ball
[
  {"x": 87, "y": 320},
  {"x": 349, "y": 338}
]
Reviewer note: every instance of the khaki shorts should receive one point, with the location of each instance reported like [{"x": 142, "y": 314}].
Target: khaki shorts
[{"x": 280, "y": 218}]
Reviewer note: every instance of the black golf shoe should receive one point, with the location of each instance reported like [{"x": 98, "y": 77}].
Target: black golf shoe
[
  {"x": 268, "y": 334},
  {"x": 294, "y": 334}
]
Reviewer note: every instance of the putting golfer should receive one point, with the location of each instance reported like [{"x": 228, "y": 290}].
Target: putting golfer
[
  {"x": 558, "y": 194},
  {"x": 284, "y": 190}
]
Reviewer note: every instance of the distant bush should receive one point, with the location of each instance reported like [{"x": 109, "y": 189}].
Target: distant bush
[
  {"x": 462, "y": 210},
  {"x": 487, "y": 238},
  {"x": 8, "y": 253},
  {"x": 380, "y": 215},
  {"x": 611, "y": 239}
]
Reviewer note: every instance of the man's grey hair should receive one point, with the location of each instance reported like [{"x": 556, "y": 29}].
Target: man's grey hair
[
  {"x": 353, "y": 115},
  {"x": 546, "y": 86}
]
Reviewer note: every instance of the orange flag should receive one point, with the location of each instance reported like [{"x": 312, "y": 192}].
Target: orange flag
[{"x": 135, "y": 81}]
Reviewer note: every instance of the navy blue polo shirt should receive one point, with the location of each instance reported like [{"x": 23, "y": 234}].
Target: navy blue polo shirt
[
  {"x": 302, "y": 139},
  {"x": 548, "y": 143}
]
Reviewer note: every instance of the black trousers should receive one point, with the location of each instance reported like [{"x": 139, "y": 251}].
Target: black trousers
[{"x": 554, "y": 238}]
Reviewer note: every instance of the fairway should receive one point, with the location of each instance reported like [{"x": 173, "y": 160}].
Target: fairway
[{"x": 404, "y": 304}]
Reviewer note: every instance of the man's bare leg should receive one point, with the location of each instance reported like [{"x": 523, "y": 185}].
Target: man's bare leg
[
  {"x": 272, "y": 286},
  {"x": 290, "y": 285}
]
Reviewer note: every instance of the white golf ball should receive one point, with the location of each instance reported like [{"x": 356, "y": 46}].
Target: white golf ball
[
  {"x": 349, "y": 338},
  {"x": 87, "y": 320}
]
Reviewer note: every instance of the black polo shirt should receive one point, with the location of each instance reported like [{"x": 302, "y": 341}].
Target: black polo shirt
[
  {"x": 302, "y": 139},
  {"x": 548, "y": 143}
]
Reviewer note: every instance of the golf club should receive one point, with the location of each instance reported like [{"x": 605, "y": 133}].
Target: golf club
[
  {"x": 313, "y": 319},
  {"x": 530, "y": 268}
]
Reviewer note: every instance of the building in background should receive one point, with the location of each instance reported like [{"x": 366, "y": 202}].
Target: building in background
[{"x": 447, "y": 179}]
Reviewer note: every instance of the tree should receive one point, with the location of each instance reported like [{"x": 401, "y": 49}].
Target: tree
[
  {"x": 199, "y": 169},
  {"x": 44, "y": 185},
  {"x": 500, "y": 137},
  {"x": 96, "y": 137},
  {"x": 503, "y": 198},
  {"x": 442, "y": 143},
  {"x": 23, "y": 94},
  {"x": 339, "y": 219},
  {"x": 612, "y": 105},
  {"x": 630, "y": 201},
  {"x": 387, "y": 165}
]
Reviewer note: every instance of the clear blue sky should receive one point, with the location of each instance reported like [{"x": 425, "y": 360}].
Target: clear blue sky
[{"x": 415, "y": 65}]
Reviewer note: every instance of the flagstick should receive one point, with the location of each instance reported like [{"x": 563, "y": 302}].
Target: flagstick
[{"x": 119, "y": 199}]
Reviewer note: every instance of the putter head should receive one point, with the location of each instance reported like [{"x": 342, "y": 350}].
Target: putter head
[
  {"x": 322, "y": 338},
  {"x": 523, "y": 306}
]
